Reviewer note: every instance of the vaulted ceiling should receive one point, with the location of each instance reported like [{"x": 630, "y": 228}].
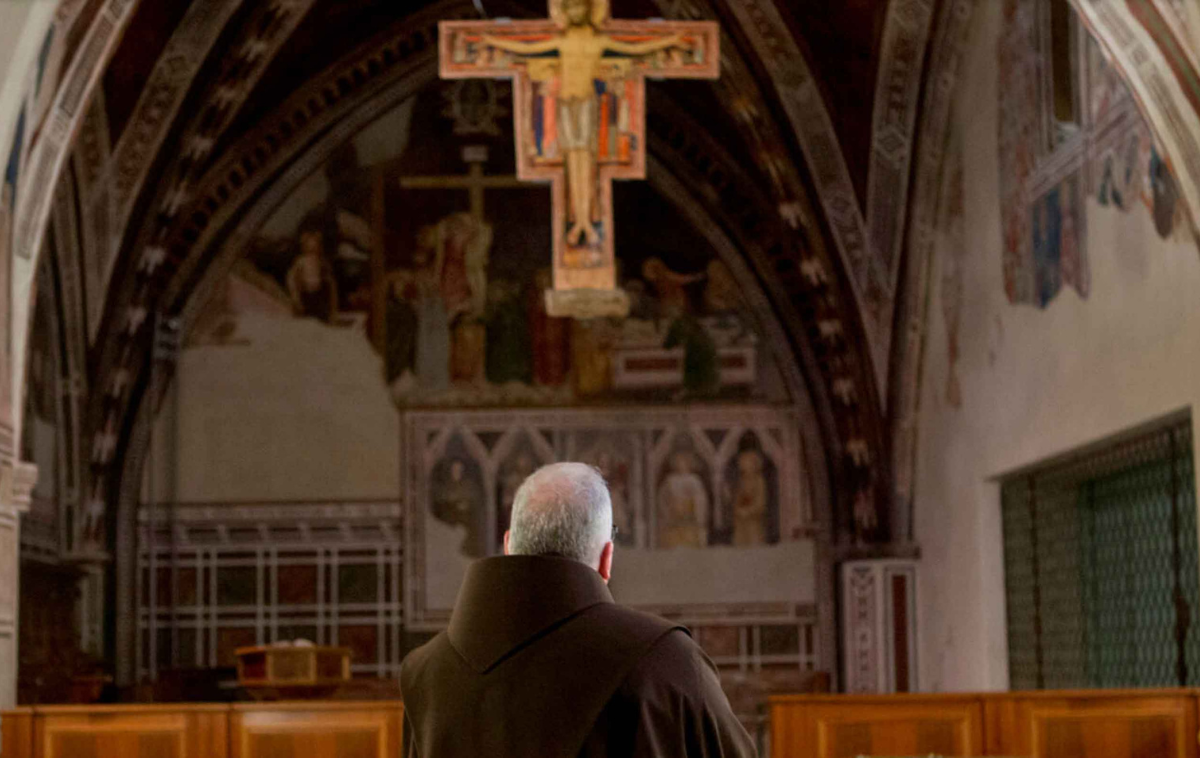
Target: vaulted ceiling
[{"x": 800, "y": 154}]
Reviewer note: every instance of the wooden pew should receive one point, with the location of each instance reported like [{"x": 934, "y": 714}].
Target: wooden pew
[
  {"x": 1077, "y": 724},
  {"x": 1099, "y": 723},
  {"x": 99, "y": 731},
  {"x": 314, "y": 729},
  {"x": 832, "y": 726}
]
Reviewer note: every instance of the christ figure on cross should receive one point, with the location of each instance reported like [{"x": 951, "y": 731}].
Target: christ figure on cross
[
  {"x": 580, "y": 120},
  {"x": 581, "y": 50}
]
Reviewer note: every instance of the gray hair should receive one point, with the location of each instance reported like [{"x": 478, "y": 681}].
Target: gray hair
[{"x": 562, "y": 509}]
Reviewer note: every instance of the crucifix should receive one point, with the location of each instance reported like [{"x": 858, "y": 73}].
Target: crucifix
[
  {"x": 579, "y": 105},
  {"x": 475, "y": 182}
]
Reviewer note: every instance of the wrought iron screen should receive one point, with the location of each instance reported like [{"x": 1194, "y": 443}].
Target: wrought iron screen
[{"x": 1101, "y": 571}]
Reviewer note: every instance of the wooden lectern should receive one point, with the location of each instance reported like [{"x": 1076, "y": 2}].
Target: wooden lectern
[{"x": 292, "y": 671}]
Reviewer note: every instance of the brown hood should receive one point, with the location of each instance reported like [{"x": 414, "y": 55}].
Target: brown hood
[{"x": 508, "y": 602}]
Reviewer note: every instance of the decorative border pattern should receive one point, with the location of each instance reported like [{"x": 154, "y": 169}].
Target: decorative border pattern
[
  {"x": 870, "y": 626},
  {"x": 49, "y": 154},
  {"x": 155, "y": 112},
  {"x": 91, "y": 157},
  {"x": 897, "y": 98},
  {"x": 810, "y": 119},
  {"x": 859, "y": 643}
]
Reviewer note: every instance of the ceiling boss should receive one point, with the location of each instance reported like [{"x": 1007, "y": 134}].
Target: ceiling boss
[{"x": 579, "y": 97}]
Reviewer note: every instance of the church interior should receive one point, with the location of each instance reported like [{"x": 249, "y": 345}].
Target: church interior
[{"x": 879, "y": 318}]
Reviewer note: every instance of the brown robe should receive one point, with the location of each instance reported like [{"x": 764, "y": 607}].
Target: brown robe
[{"x": 539, "y": 661}]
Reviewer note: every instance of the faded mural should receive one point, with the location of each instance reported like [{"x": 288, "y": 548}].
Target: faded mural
[
  {"x": 1049, "y": 167},
  {"x": 439, "y": 258}
]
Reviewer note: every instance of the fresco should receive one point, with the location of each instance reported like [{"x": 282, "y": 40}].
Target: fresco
[
  {"x": 1128, "y": 169},
  {"x": 1056, "y": 243},
  {"x": 703, "y": 498},
  {"x": 1051, "y": 169},
  {"x": 439, "y": 258}
]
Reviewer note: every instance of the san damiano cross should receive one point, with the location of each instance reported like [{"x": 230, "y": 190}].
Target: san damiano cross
[{"x": 579, "y": 109}]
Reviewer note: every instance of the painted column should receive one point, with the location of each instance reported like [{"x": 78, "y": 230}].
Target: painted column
[{"x": 879, "y": 626}]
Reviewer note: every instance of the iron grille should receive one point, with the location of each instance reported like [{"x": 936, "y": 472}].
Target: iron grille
[{"x": 1101, "y": 572}]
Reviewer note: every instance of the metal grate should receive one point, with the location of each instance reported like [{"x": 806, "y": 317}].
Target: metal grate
[{"x": 1101, "y": 570}]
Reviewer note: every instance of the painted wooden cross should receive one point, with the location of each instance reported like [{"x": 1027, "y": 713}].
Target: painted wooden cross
[{"x": 579, "y": 97}]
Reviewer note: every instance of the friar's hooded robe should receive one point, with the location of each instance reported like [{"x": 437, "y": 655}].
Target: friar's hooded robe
[{"x": 539, "y": 661}]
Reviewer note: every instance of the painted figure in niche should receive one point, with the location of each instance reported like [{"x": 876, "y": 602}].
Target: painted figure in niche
[
  {"x": 458, "y": 501},
  {"x": 683, "y": 504},
  {"x": 701, "y": 373},
  {"x": 509, "y": 353},
  {"x": 310, "y": 281},
  {"x": 513, "y": 472},
  {"x": 581, "y": 52},
  {"x": 750, "y": 500},
  {"x": 550, "y": 336}
]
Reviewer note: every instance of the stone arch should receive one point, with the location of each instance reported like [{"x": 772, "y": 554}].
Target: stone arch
[
  {"x": 809, "y": 279},
  {"x": 803, "y": 285}
]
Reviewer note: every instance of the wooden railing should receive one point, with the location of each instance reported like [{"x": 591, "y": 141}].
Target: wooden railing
[
  {"x": 1077, "y": 724},
  {"x": 318, "y": 729}
]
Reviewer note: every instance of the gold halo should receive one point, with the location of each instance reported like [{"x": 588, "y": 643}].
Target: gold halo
[{"x": 599, "y": 12}]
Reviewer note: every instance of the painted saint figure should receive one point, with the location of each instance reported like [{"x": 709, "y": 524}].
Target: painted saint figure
[
  {"x": 458, "y": 501},
  {"x": 682, "y": 505},
  {"x": 581, "y": 50},
  {"x": 750, "y": 500}
]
